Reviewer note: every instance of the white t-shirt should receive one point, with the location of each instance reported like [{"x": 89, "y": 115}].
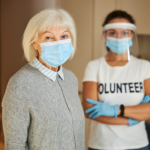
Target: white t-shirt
[{"x": 118, "y": 85}]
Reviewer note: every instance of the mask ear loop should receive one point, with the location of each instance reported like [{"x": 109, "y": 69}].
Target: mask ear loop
[
  {"x": 40, "y": 46},
  {"x": 38, "y": 43}
]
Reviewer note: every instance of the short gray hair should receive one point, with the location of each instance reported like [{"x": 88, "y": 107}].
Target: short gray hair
[{"x": 42, "y": 21}]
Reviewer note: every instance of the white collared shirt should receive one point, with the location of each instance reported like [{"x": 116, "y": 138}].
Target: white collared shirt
[{"x": 46, "y": 71}]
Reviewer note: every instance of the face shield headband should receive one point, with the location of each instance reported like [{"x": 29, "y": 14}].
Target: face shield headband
[{"x": 120, "y": 25}]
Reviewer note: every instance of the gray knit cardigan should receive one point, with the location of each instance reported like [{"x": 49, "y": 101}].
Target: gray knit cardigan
[{"x": 41, "y": 114}]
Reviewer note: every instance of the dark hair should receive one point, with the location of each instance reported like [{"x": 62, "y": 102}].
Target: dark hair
[{"x": 118, "y": 14}]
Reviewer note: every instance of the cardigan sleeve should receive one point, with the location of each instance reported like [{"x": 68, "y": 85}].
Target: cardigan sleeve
[{"x": 15, "y": 117}]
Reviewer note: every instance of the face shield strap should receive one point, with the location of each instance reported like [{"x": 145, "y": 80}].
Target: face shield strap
[{"x": 120, "y": 25}]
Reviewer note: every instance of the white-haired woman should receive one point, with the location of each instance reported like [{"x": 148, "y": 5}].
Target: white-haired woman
[{"x": 41, "y": 107}]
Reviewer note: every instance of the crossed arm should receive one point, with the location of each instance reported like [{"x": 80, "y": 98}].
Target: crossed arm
[{"x": 139, "y": 112}]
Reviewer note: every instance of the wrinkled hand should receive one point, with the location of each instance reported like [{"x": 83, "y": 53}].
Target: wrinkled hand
[
  {"x": 133, "y": 122},
  {"x": 101, "y": 109}
]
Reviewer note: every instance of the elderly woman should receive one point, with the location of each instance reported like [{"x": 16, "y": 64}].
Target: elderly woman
[{"x": 41, "y": 107}]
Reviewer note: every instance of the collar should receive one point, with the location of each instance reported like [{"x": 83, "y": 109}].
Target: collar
[{"x": 46, "y": 71}]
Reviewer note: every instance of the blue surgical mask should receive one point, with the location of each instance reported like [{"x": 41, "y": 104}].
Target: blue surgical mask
[
  {"x": 118, "y": 46},
  {"x": 56, "y": 53}
]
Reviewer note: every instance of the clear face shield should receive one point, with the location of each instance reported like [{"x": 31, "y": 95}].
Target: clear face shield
[{"x": 119, "y": 42}]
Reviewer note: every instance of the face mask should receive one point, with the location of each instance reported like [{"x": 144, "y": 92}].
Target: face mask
[
  {"x": 56, "y": 53},
  {"x": 119, "y": 46}
]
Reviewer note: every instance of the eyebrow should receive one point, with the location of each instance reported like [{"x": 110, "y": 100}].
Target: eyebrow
[
  {"x": 112, "y": 30},
  {"x": 66, "y": 31},
  {"x": 53, "y": 33},
  {"x": 47, "y": 32}
]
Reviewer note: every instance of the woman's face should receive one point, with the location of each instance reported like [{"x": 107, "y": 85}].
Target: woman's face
[
  {"x": 51, "y": 35},
  {"x": 119, "y": 32}
]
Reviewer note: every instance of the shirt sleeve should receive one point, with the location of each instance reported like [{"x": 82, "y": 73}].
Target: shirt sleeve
[
  {"x": 91, "y": 71},
  {"x": 15, "y": 118},
  {"x": 147, "y": 69}
]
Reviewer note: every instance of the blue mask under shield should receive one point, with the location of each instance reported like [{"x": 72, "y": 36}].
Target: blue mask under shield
[{"x": 118, "y": 46}]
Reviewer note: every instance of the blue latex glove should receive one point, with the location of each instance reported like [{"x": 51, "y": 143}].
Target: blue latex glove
[
  {"x": 133, "y": 122},
  {"x": 101, "y": 109},
  {"x": 146, "y": 99}
]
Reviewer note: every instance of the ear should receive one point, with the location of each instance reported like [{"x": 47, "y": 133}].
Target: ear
[{"x": 35, "y": 45}]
